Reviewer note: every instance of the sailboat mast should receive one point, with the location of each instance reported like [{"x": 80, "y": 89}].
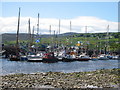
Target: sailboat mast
[
  {"x": 29, "y": 31},
  {"x": 50, "y": 29},
  {"x": 70, "y": 33},
  {"x": 107, "y": 46},
  {"x": 33, "y": 35},
  {"x": 59, "y": 27},
  {"x": 17, "y": 37},
  {"x": 50, "y": 35},
  {"x": 38, "y": 25},
  {"x": 86, "y": 39},
  {"x": 59, "y": 33}
]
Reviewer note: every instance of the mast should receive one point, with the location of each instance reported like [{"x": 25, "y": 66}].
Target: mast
[
  {"x": 50, "y": 29},
  {"x": 38, "y": 25},
  {"x": 70, "y": 33},
  {"x": 107, "y": 41},
  {"x": 33, "y": 35},
  {"x": 37, "y": 31},
  {"x": 59, "y": 27},
  {"x": 50, "y": 37},
  {"x": 54, "y": 39},
  {"x": 18, "y": 29},
  {"x": 86, "y": 39},
  {"x": 59, "y": 33},
  {"x": 17, "y": 37},
  {"x": 29, "y": 32}
]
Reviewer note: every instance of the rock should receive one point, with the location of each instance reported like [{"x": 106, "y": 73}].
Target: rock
[{"x": 47, "y": 83}]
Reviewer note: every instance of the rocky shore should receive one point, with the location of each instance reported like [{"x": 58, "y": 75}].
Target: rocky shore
[{"x": 104, "y": 78}]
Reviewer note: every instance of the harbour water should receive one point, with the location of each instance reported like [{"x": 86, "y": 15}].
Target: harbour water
[{"x": 12, "y": 67}]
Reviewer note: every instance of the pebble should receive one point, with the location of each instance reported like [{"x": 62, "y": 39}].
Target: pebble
[{"x": 94, "y": 79}]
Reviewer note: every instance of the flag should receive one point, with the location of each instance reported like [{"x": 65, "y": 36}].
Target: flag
[
  {"x": 78, "y": 44},
  {"x": 37, "y": 41}
]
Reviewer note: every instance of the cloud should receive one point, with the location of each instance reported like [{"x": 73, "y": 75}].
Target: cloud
[{"x": 94, "y": 25}]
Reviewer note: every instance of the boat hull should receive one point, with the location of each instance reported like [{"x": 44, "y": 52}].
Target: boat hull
[
  {"x": 50, "y": 60},
  {"x": 83, "y": 59},
  {"x": 68, "y": 59},
  {"x": 35, "y": 60},
  {"x": 14, "y": 58}
]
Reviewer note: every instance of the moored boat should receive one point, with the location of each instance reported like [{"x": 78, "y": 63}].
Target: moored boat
[
  {"x": 23, "y": 58},
  {"x": 14, "y": 58},
  {"x": 50, "y": 58},
  {"x": 103, "y": 57},
  {"x": 69, "y": 58},
  {"x": 83, "y": 58},
  {"x": 34, "y": 58}
]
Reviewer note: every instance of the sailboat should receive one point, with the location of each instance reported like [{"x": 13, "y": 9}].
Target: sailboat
[
  {"x": 105, "y": 56},
  {"x": 16, "y": 57},
  {"x": 34, "y": 57},
  {"x": 83, "y": 56}
]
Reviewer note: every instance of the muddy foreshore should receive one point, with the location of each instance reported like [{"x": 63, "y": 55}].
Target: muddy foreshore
[{"x": 104, "y": 78}]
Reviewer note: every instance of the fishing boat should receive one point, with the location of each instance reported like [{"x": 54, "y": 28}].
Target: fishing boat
[
  {"x": 103, "y": 57},
  {"x": 83, "y": 58},
  {"x": 16, "y": 56},
  {"x": 23, "y": 58},
  {"x": 69, "y": 58},
  {"x": 94, "y": 58},
  {"x": 116, "y": 57},
  {"x": 34, "y": 58},
  {"x": 49, "y": 58}
]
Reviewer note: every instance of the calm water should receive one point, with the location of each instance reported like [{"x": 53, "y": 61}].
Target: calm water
[{"x": 10, "y": 67}]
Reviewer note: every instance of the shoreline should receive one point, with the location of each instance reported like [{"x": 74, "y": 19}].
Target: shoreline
[
  {"x": 58, "y": 71},
  {"x": 104, "y": 78}
]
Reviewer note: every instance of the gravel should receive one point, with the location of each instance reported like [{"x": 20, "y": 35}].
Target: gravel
[{"x": 104, "y": 78}]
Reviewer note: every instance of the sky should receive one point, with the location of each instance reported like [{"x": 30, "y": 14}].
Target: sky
[{"x": 95, "y": 15}]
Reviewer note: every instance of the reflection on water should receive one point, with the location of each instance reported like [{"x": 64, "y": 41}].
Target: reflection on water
[{"x": 9, "y": 67}]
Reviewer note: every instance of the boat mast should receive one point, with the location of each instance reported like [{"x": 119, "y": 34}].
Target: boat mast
[
  {"x": 38, "y": 25},
  {"x": 50, "y": 35},
  {"x": 29, "y": 32},
  {"x": 107, "y": 42},
  {"x": 86, "y": 39},
  {"x": 33, "y": 35},
  {"x": 17, "y": 37},
  {"x": 37, "y": 32},
  {"x": 59, "y": 33},
  {"x": 59, "y": 27},
  {"x": 70, "y": 33}
]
